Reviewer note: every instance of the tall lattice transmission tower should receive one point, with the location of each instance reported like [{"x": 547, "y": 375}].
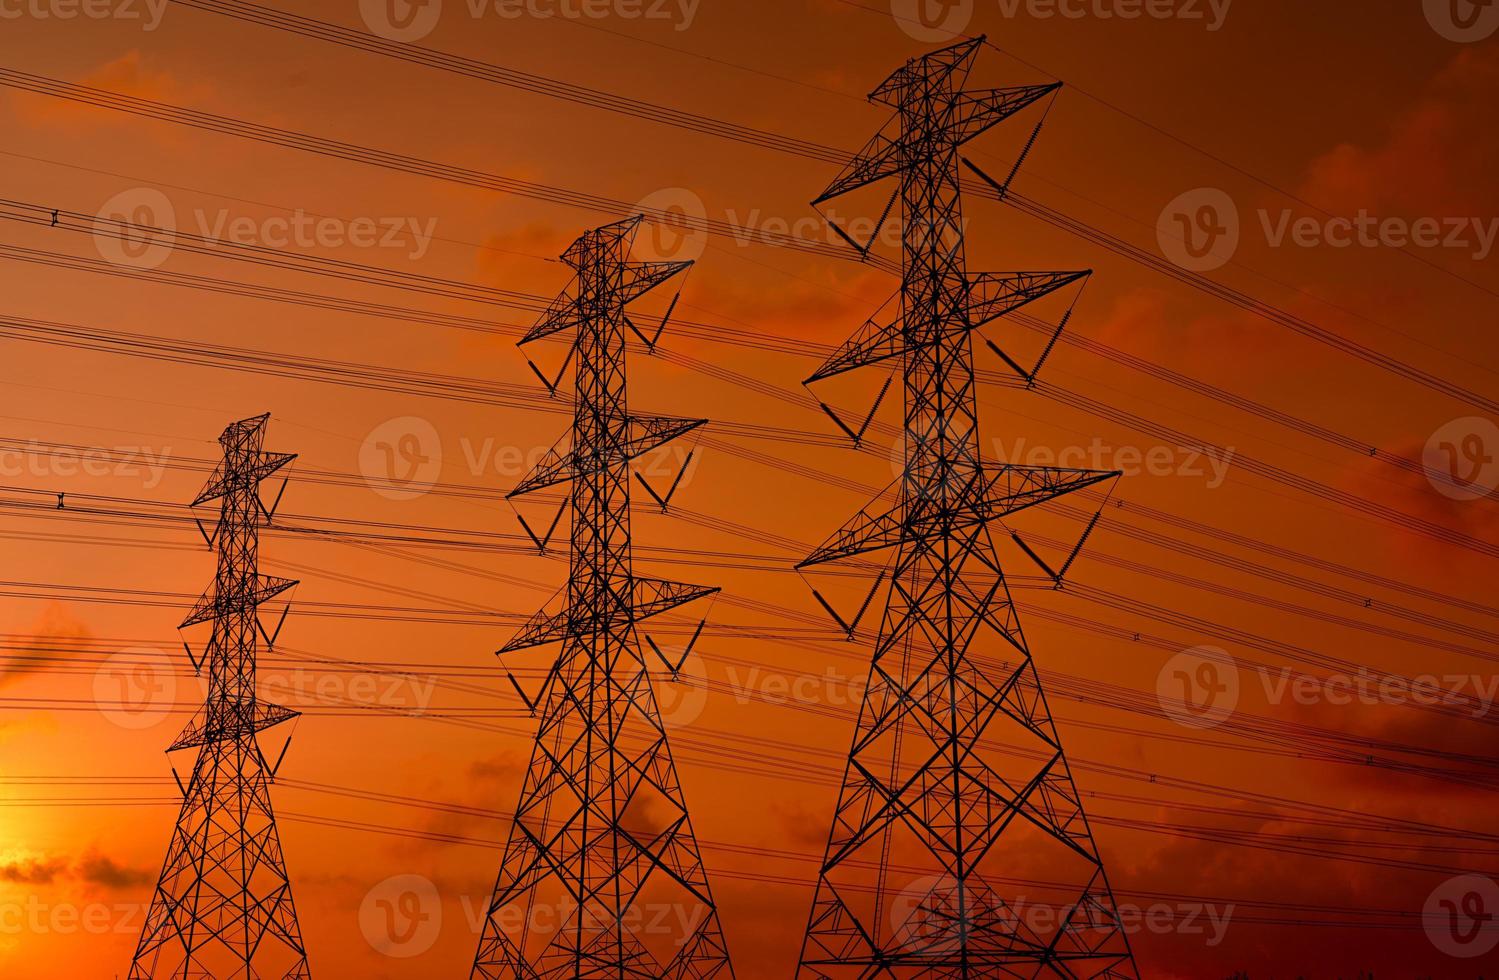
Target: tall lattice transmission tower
[
  {"x": 959, "y": 847},
  {"x": 602, "y": 876},
  {"x": 223, "y": 905}
]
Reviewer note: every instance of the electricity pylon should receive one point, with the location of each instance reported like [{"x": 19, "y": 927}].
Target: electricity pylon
[
  {"x": 223, "y": 905},
  {"x": 602, "y": 876},
  {"x": 956, "y": 784}
]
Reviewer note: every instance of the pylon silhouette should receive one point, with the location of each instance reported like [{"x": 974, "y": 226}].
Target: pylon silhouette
[
  {"x": 223, "y": 906},
  {"x": 956, "y": 784},
  {"x": 602, "y": 876}
]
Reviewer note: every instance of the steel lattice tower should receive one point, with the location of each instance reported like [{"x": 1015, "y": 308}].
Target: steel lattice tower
[
  {"x": 601, "y": 842},
  {"x": 956, "y": 769},
  {"x": 223, "y": 905}
]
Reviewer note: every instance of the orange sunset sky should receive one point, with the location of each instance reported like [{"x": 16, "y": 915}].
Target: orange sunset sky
[{"x": 1308, "y": 442}]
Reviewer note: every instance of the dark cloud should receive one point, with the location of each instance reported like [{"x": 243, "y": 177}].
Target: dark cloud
[
  {"x": 55, "y": 624},
  {"x": 33, "y": 871},
  {"x": 101, "y": 869},
  {"x": 94, "y": 868}
]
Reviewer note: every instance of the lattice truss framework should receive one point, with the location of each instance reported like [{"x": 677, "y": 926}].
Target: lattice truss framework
[
  {"x": 223, "y": 905},
  {"x": 956, "y": 784},
  {"x": 602, "y": 876}
]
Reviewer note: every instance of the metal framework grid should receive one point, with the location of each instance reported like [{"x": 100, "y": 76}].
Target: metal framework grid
[
  {"x": 223, "y": 904},
  {"x": 925, "y": 786},
  {"x": 602, "y": 841}
]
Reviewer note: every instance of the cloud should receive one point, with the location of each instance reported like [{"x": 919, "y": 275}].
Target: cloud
[
  {"x": 518, "y": 248},
  {"x": 55, "y": 624},
  {"x": 33, "y": 871},
  {"x": 1415, "y": 494},
  {"x": 507, "y": 765},
  {"x": 94, "y": 868},
  {"x": 1434, "y": 159},
  {"x": 801, "y": 827},
  {"x": 97, "y": 868},
  {"x": 126, "y": 75},
  {"x": 1173, "y": 329}
]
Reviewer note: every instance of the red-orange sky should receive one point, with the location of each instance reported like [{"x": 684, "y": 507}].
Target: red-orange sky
[{"x": 1299, "y": 836}]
